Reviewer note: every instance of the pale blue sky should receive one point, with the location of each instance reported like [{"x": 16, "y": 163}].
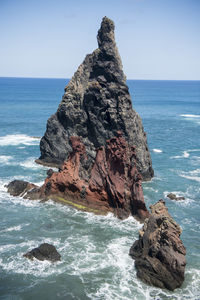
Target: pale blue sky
[{"x": 157, "y": 39}]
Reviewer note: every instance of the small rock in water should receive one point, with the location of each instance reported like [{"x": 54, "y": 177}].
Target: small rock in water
[
  {"x": 44, "y": 252},
  {"x": 174, "y": 197},
  {"x": 159, "y": 253},
  {"x": 19, "y": 187}
]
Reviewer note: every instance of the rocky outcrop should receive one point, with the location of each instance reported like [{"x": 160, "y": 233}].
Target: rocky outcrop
[
  {"x": 174, "y": 197},
  {"x": 159, "y": 253},
  {"x": 44, "y": 252},
  {"x": 96, "y": 104},
  {"x": 114, "y": 185},
  {"x": 19, "y": 187}
]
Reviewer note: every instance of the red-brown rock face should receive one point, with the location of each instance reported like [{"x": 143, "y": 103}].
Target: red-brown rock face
[
  {"x": 114, "y": 184},
  {"x": 159, "y": 252}
]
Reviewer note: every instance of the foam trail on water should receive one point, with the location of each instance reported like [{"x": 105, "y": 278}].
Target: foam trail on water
[
  {"x": 195, "y": 178},
  {"x": 190, "y": 116},
  {"x": 185, "y": 154},
  {"x": 17, "y": 139},
  {"x": 14, "y": 228},
  {"x": 157, "y": 150}
]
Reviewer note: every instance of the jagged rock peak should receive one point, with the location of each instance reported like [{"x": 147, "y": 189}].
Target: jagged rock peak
[
  {"x": 106, "y": 42},
  {"x": 96, "y": 104},
  {"x": 106, "y": 32}
]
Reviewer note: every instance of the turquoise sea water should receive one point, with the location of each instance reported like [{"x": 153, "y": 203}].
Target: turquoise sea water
[{"x": 95, "y": 262}]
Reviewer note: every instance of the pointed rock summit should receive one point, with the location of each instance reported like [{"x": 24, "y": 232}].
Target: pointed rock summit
[{"x": 95, "y": 106}]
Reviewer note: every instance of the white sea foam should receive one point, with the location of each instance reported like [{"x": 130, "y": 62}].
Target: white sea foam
[
  {"x": 17, "y": 139},
  {"x": 192, "y": 175},
  {"x": 157, "y": 150},
  {"x": 30, "y": 164},
  {"x": 195, "y": 172},
  {"x": 20, "y": 265},
  {"x": 184, "y": 155},
  {"x": 195, "y": 178},
  {"x": 13, "y": 228},
  {"x": 5, "y": 159},
  {"x": 149, "y": 188},
  {"x": 190, "y": 116}
]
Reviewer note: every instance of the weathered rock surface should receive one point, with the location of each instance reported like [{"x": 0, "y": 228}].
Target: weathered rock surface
[
  {"x": 159, "y": 253},
  {"x": 44, "y": 252},
  {"x": 174, "y": 197},
  {"x": 95, "y": 105},
  {"x": 115, "y": 185},
  {"x": 19, "y": 187}
]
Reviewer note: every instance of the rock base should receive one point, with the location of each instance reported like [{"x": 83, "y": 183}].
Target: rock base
[{"x": 114, "y": 185}]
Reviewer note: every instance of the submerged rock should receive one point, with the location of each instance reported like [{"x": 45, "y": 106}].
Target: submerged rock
[
  {"x": 174, "y": 197},
  {"x": 44, "y": 252},
  {"x": 95, "y": 105},
  {"x": 159, "y": 253}
]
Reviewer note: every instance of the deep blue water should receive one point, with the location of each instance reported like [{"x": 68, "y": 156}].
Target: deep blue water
[{"x": 95, "y": 262}]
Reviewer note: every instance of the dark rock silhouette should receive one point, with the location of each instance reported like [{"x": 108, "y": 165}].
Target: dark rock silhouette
[
  {"x": 96, "y": 104},
  {"x": 159, "y": 253},
  {"x": 174, "y": 197},
  {"x": 19, "y": 187},
  {"x": 44, "y": 252}
]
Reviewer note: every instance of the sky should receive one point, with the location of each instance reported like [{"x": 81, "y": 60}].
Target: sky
[{"x": 157, "y": 39}]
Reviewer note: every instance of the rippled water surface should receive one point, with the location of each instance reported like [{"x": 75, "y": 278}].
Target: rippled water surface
[{"x": 95, "y": 262}]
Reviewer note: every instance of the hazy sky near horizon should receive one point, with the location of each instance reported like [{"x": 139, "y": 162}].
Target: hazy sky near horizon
[{"x": 157, "y": 39}]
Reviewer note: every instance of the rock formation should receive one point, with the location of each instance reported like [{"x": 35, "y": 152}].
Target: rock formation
[
  {"x": 96, "y": 139},
  {"x": 96, "y": 104},
  {"x": 115, "y": 185},
  {"x": 159, "y": 253},
  {"x": 44, "y": 252},
  {"x": 19, "y": 187}
]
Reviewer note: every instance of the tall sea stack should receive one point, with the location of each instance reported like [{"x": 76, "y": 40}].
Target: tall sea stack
[{"x": 95, "y": 106}]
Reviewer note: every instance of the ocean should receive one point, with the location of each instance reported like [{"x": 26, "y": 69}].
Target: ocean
[{"x": 95, "y": 262}]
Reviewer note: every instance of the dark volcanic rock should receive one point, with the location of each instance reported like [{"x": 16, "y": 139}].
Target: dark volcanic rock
[
  {"x": 19, "y": 187},
  {"x": 159, "y": 253},
  {"x": 96, "y": 104},
  {"x": 44, "y": 252},
  {"x": 174, "y": 197}
]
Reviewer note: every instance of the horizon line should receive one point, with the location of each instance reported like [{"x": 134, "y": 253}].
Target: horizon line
[{"x": 22, "y": 77}]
